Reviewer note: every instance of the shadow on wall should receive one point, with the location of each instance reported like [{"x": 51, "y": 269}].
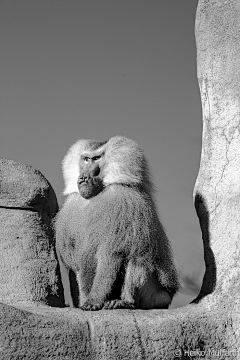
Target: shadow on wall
[
  {"x": 191, "y": 286},
  {"x": 209, "y": 279}
]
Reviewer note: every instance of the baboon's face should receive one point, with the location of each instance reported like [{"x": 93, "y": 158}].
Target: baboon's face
[{"x": 90, "y": 181}]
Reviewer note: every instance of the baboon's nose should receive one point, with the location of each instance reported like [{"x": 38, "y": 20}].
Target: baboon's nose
[{"x": 95, "y": 170}]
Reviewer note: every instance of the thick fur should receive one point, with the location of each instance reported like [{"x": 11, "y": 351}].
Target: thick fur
[{"x": 114, "y": 242}]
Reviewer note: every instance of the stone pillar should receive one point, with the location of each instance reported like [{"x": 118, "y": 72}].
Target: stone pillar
[
  {"x": 217, "y": 189},
  {"x": 29, "y": 270}
]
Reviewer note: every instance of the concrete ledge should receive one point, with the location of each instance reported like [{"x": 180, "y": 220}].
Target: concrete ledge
[{"x": 41, "y": 332}]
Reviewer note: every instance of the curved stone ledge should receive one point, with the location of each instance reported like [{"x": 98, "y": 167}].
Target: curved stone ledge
[{"x": 184, "y": 333}]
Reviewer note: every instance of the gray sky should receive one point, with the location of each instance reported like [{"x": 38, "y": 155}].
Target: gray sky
[{"x": 74, "y": 69}]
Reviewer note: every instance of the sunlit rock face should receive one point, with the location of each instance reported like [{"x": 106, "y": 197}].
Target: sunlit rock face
[{"x": 29, "y": 270}]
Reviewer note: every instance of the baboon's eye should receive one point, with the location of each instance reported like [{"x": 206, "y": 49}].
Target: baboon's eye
[
  {"x": 85, "y": 159},
  {"x": 96, "y": 158}
]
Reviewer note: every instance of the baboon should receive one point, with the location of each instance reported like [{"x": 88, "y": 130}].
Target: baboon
[{"x": 108, "y": 234}]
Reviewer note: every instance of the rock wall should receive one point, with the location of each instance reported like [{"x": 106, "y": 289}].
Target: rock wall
[
  {"x": 29, "y": 270},
  {"x": 217, "y": 187}
]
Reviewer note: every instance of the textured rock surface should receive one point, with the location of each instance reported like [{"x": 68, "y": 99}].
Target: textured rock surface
[
  {"x": 210, "y": 327},
  {"x": 29, "y": 270},
  {"x": 51, "y": 333},
  {"x": 217, "y": 188}
]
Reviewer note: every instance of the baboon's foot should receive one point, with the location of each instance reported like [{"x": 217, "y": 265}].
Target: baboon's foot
[
  {"x": 88, "y": 306},
  {"x": 107, "y": 305},
  {"x": 118, "y": 304}
]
